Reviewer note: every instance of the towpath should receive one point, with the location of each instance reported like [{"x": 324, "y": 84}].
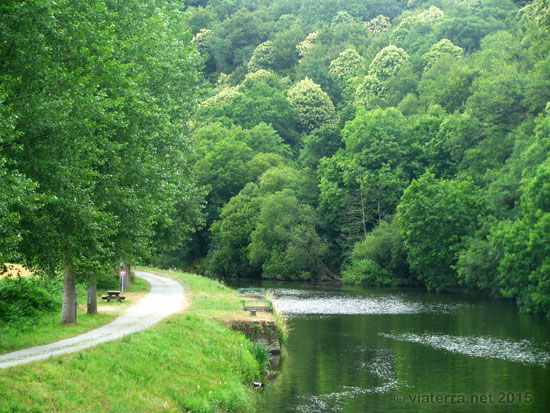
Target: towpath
[{"x": 165, "y": 298}]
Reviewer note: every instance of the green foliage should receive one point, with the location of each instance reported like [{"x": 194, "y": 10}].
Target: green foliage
[
  {"x": 524, "y": 269},
  {"x": 348, "y": 64},
  {"x": 23, "y": 298},
  {"x": 434, "y": 216},
  {"x": 447, "y": 82},
  {"x": 540, "y": 10},
  {"x": 376, "y": 144},
  {"x": 387, "y": 62},
  {"x": 222, "y": 166},
  {"x": 257, "y": 103},
  {"x": 370, "y": 92},
  {"x": 453, "y": 137},
  {"x": 478, "y": 261},
  {"x": 104, "y": 110},
  {"x": 99, "y": 126},
  {"x": 260, "y": 352},
  {"x": 469, "y": 81},
  {"x": 380, "y": 24},
  {"x": 322, "y": 142},
  {"x": 443, "y": 48},
  {"x": 284, "y": 242},
  {"x": 314, "y": 106},
  {"x": 262, "y": 58},
  {"x": 107, "y": 281},
  {"x": 380, "y": 259},
  {"x": 231, "y": 235}
]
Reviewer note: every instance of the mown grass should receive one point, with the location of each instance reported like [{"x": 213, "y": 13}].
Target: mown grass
[
  {"x": 187, "y": 362},
  {"x": 48, "y": 328},
  {"x": 209, "y": 298}
]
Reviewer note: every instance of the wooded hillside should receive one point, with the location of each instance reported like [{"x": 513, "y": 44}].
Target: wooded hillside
[{"x": 392, "y": 142}]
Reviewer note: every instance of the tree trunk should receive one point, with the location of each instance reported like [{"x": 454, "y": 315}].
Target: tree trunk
[
  {"x": 127, "y": 276},
  {"x": 68, "y": 312},
  {"x": 92, "y": 295},
  {"x": 363, "y": 218}
]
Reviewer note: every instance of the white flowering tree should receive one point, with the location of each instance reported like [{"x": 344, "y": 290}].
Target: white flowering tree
[
  {"x": 262, "y": 57},
  {"x": 387, "y": 62},
  {"x": 347, "y": 65},
  {"x": 368, "y": 91},
  {"x": 313, "y": 105},
  {"x": 307, "y": 44},
  {"x": 442, "y": 48},
  {"x": 380, "y": 24}
]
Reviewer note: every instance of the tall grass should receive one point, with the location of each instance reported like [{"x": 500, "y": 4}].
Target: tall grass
[{"x": 261, "y": 353}]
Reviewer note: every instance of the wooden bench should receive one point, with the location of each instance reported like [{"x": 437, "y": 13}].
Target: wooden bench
[
  {"x": 113, "y": 295},
  {"x": 263, "y": 306}
]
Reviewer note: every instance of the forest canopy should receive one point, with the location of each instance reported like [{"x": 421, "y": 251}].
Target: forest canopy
[
  {"x": 379, "y": 142},
  {"x": 402, "y": 142}
]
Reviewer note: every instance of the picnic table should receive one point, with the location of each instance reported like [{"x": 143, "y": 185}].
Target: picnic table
[{"x": 113, "y": 295}]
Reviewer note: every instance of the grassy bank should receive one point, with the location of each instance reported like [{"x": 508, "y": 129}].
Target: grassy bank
[
  {"x": 188, "y": 362},
  {"x": 47, "y": 327}
]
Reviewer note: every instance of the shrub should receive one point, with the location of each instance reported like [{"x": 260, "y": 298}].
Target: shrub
[
  {"x": 380, "y": 259},
  {"x": 107, "y": 282},
  {"x": 26, "y": 297}
]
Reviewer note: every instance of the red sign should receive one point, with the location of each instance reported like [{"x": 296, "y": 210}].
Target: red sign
[{"x": 122, "y": 272}]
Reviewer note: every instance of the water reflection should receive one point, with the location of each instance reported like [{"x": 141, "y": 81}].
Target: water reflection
[
  {"x": 377, "y": 362},
  {"x": 352, "y": 350}
]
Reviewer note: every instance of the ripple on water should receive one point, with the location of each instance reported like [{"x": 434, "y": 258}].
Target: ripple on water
[
  {"x": 378, "y": 362},
  {"x": 332, "y": 402},
  {"x": 523, "y": 351},
  {"x": 296, "y": 302}
]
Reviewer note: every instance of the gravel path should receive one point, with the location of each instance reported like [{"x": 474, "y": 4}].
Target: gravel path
[{"x": 165, "y": 298}]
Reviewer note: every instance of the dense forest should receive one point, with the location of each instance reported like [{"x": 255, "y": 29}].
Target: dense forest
[
  {"x": 380, "y": 142},
  {"x": 383, "y": 142}
]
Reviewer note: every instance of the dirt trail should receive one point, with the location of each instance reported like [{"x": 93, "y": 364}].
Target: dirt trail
[{"x": 165, "y": 298}]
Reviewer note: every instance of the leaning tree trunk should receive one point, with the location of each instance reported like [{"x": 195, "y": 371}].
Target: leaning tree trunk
[
  {"x": 92, "y": 295},
  {"x": 127, "y": 276},
  {"x": 68, "y": 312}
]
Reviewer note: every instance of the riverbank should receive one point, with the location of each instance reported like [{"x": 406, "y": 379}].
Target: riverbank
[{"x": 187, "y": 362}]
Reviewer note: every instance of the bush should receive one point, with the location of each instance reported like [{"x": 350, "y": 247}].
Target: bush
[
  {"x": 26, "y": 297},
  {"x": 380, "y": 259},
  {"x": 107, "y": 282}
]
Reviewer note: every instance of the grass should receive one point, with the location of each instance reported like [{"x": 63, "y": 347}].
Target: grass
[
  {"x": 211, "y": 299},
  {"x": 49, "y": 328},
  {"x": 188, "y": 362}
]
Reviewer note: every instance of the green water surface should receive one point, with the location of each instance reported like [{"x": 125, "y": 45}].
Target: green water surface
[{"x": 388, "y": 350}]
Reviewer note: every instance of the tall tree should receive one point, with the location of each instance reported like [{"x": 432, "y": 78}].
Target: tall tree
[
  {"x": 314, "y": 106},
  {"x": 97, "y": 109},
  {"x": 434, "y": 216},
  {"x": 524, "y": 269}
]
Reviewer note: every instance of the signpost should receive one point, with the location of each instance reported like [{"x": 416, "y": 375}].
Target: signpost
[{"x": 122, "y": 275}]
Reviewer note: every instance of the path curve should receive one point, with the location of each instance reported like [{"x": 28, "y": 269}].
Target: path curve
[{"x": 165, "y": 298}]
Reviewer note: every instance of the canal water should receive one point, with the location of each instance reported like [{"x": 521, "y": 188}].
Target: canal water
[{"x": 393, "y": 350}]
